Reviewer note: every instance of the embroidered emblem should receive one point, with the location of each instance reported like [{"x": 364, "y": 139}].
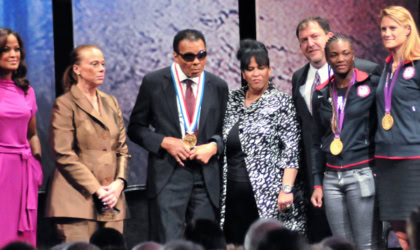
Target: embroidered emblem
[
  {"x": 363, "y": 90},
  {"x": 409, "y": 73}
]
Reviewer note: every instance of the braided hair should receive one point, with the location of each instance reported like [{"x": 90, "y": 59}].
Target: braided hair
[{"x": 335, "y": 38}]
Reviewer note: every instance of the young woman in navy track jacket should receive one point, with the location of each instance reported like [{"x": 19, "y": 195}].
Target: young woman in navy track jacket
[
  {"x": 343, "y": 148},
  {"x": 398, "y": 135}
]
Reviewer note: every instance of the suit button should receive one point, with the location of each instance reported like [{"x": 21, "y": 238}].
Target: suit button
[{"x": 105, "y": 137}]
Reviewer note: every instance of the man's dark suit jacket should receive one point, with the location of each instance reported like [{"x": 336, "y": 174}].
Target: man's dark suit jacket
[
  {"x": 155, "y": 116},
  {"x": 298, "y": 79}
]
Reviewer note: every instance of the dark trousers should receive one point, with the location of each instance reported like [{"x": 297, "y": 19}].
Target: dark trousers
[
  {"x": 241, "y": 211},
  {"x": 183, "y": 198},
  {"x": 318, "y": 228}
]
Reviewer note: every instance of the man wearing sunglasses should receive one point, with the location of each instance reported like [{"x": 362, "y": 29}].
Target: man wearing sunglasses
[{"x": 178, "y": 118}]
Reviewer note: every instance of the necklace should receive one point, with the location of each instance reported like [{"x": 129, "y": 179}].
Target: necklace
[{"x": 249, "y": 100}]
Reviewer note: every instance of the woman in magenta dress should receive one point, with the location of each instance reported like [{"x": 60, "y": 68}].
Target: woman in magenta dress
[{"x": 20, "y": 150}]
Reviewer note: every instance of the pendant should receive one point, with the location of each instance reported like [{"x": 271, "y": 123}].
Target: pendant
[
  {"x": 190, "y": 140},
  {"x": 387, "y": 121},
  {"x": 336, "y": 146}
]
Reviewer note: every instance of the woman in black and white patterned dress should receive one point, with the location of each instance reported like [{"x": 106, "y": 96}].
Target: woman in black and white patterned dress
[{"x": 261, "y": 135}]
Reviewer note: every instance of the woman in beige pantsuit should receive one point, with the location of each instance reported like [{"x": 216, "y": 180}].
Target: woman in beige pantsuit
[{"x": 89, "y": 141}]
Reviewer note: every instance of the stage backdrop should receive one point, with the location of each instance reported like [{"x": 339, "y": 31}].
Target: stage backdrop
[
  {"x": 32, "y": 19},
  {"x": 136, "y": 38},
  {"x": 277, "y": 21}
]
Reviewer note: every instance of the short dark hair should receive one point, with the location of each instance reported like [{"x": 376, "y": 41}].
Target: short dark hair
[
  {"x": 205, "y": 232},
  {"x": 321, "y": 21},
  {"x": 258, "y": 230},
  {"x": 283, "y": 237},
  {"x": 108, "y": 238},
  {"x": 189, "y": 34},
  {"x": 181, "y": 245},
  {"x": 252, "y": 48},
  {"x": 18, "y": 245}
]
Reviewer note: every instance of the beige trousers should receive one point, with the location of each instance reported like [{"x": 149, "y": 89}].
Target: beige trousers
[{"x": 72, "y": 229}]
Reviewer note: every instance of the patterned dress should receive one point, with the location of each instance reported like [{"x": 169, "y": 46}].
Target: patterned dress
[{"x": 269, "y": 134}]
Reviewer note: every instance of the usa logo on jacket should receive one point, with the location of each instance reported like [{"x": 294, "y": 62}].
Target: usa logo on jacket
[
  {"x": 363, "y": 91},
  {"x": 409, "y": 72}
]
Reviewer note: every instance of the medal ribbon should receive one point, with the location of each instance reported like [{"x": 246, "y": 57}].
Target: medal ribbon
[
  {"x": 340, "y": 113},
  {"x": 388, "y": 88},
  {"x": 190, "y": 126}
]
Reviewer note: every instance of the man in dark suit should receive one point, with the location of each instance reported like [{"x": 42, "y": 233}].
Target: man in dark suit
[
  {"x": 178, "y": 118},
  {"x": 313, "y": 33}
]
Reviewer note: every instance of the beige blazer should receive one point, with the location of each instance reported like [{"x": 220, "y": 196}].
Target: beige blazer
[{"x": 90, "y": 151}]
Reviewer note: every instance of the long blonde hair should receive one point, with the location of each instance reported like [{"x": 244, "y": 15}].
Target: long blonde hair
[{"x": 411, "y": 47}]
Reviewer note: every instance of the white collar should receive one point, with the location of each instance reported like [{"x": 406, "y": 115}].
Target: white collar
[
  {"x": 322, "y": 71},
  {"x": 182, "y": 76}
]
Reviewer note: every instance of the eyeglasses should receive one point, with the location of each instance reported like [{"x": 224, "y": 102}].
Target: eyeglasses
[{"x": 189, "y": 57}]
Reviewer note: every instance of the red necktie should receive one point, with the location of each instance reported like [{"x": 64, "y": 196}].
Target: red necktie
[{"x": 189, "y": 99}]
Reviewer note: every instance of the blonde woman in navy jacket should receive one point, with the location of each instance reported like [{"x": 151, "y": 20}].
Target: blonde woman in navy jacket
[
  {"x": 342, "y": 152},
  {"x": 398, "y": 134}
]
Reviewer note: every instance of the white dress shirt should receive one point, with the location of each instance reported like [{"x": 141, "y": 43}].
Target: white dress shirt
[
  {"x": 306, "y": 88},
  {"x": 183, "y": 77}
]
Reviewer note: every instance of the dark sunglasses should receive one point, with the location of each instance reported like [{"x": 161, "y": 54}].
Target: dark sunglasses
[{"x": 189, "y": 57}]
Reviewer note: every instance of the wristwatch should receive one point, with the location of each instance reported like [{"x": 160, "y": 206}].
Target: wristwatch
[{"x": 287, "y": 189}]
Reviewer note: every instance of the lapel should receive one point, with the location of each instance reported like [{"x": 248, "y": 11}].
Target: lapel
[
  {"x": 300, "y": 100},
  {"x": 207, "y": 102},
  {"x": 107, "y": 110},
  {"x": 83, "y": 103},
  {"x": 170, "y": 99},
  {"x": 302, "y": 80}
]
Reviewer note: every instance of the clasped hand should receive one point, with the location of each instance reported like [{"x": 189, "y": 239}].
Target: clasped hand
[
  {"x": 110, "y": 194},
  {"x": 177, "y": 148}
]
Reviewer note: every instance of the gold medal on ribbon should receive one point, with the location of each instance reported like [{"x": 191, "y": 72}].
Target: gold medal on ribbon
[
  {"x": 336, "y": 146},
  {"x": 190, "y": 140},
  {"x": 387, "y": 121},
  {"x": 190, "y": 113}
]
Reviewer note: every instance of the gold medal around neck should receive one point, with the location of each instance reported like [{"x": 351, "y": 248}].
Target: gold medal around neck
[
  {"x": 190, "y": 140},
  {"x": 387, "y": 121},
  {"x": 336, "y": 146}
]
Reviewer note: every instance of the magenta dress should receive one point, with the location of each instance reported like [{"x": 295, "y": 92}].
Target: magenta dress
[{"x": 20, "y": 172}]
